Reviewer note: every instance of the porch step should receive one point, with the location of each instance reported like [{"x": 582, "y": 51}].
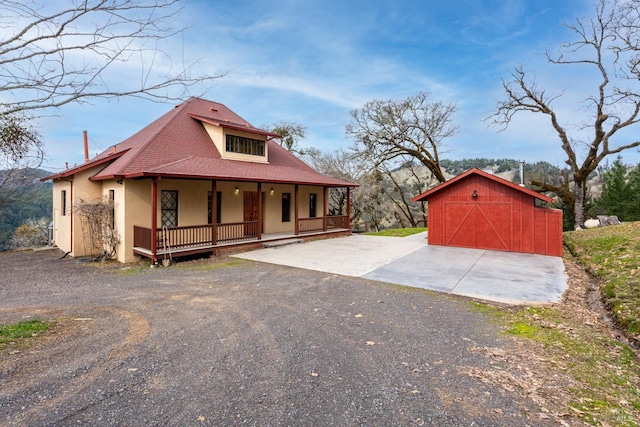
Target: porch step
[{"x": 284, "y": 242}]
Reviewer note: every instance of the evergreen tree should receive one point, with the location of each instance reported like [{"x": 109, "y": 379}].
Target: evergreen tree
[
  {"x": 616, "y": 197},
  {"x": 633, "y": 194}
]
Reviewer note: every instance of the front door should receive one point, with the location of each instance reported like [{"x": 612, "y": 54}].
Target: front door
[{"x": 251, "y": 210}]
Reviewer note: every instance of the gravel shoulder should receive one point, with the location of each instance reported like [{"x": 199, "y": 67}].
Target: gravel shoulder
[{"x": 219, "y": 342}]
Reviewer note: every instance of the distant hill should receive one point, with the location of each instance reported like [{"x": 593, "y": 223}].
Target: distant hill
[
  {"x": 33, "y": 200},
  {"x": 416, "y": 178}
]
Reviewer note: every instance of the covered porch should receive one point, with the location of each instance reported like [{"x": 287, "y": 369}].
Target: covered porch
[
  {"x": 292, "y": 211},
  {"x": 191, "y": 240}
]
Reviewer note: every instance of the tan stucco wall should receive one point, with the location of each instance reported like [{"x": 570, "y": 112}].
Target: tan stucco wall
[
  {"x": 232, "y": 202},
  {"x": 192, "y": 200},
  {"x": 69, "y": 227},
  {"x": 61, "y": 224},
  {"x": 83, "y": 190},
  {"x": 133, "y": 207},
  {"x": 273, "y": 209},
  {"x": 304, "y": 192}
]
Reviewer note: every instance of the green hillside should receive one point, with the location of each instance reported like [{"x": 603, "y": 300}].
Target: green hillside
[{"x": 33, "y": 200}]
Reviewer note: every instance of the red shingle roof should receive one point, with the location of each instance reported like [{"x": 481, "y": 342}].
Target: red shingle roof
[{"x": 177, "y": 145}]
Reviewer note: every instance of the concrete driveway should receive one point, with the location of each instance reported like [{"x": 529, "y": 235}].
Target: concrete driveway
[{"x": 506, "y": 277}]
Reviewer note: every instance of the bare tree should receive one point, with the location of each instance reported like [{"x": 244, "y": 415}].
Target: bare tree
[
  {"x": 55, "y": 53},
  {"x": 606, "y": 43},
  {"x": 98, "y": 231},
  {"x": 399, "y": 190},
  {"x": 385, "y": 131},
  {"x": 290, "y": 135},
  {"x": 368, "y": 206},
  {"x": 20, "y": 150}
]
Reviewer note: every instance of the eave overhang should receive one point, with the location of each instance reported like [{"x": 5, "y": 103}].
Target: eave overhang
[{"x": 235, "y": 126}]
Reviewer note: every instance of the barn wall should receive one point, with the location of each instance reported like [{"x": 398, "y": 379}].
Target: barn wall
[
  {"x": 498, "y": 218},
  {"x": 548, "y": 232}
]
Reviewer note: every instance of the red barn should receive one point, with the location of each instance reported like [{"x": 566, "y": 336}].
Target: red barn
[{"x": 480, "y": 210}]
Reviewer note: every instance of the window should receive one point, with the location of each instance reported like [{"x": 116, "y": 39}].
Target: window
[
  {"x": 286, "y": 207},
  {"x": 169, "y": 208},
  {"x": 112, "y": 212},
  {"x": 242, "y": 145},
  {"x": 218, "y": 208},
  {"x": 63, "y": 202},
  {"x": 312, "y": 205}
]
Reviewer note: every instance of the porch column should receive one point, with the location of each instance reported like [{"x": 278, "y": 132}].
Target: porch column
[
  {"x": 295, "y": 210},
  {"x": 325, "y": 204},
  {"x": 154, "y": 220},
  {"x": 349, "y": 208},
  {"x": 259, "y": 210},
  {"x": 214, "y": 212}
]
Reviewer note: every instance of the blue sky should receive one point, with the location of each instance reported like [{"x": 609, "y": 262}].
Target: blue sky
[{"x": 311, "y": 62}]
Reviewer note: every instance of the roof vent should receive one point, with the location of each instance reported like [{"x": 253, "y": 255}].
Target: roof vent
[{"x": 213, "y": 109}]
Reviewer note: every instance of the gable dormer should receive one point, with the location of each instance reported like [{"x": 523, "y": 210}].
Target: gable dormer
[{"x": 237, "y": 142}]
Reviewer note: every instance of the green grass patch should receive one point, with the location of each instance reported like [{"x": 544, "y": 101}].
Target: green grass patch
[
  {"x": 133, "y": 269},
  {"x": 210, "y": 265},
  {"x": 398, "y": 232},
  {"x": 22, "y": 330},
  {"x": 612, "y": 254}
]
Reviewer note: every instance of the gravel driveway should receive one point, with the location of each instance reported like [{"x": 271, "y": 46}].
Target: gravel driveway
[{"x": 207, "y": 343}]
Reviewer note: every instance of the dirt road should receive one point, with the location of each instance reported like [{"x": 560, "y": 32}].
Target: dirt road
[{"x": 207, "y": 343}]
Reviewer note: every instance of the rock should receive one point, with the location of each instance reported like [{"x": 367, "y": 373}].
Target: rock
[{"x": 592, "y": 223}]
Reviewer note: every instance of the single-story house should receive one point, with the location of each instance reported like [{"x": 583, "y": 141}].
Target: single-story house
[
  {"x": 198, "y": 179},
  {"x": 477, "y": 209}
]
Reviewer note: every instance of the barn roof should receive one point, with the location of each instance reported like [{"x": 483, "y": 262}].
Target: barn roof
[
  {"x": 474, "y": 171},
  {"x": 178, "y": 145}
]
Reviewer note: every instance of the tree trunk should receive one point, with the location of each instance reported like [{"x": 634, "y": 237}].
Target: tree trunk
[
  {"x": 434, "y": 167},
  {"x": 578, "y": 207}
]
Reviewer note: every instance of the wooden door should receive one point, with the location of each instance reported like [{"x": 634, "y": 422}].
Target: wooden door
[
  {"x": 478, "y": 225},
  {"x": 251, "y": 212}
]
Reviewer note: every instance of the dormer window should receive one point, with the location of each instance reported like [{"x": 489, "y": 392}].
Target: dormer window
[{"x": 242, "y": 145}]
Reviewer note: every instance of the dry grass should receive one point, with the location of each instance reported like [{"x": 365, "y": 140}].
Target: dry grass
[{"x": 612, "y": 254}]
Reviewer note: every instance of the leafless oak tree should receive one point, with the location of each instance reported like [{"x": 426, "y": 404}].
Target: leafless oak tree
[
  {"x": 368, "y": 207},
  {"x": 386, "y": 131},
  {"x": 55, "y": 53},
  {"x": 290, "y": 135},
  {"x": 20, "y": 150},
  {"x": 608, "y": 44}
]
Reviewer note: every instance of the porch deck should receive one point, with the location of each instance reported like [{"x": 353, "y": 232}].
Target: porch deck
[
  {"x": 218, "y": 238},
  {"x": 204, "y": 248}
]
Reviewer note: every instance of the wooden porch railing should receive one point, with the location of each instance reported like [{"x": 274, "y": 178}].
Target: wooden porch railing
[
  {"x": 196, "y": 235},
  {"x": 318, "y": 224},
  {"x": 183, "y": 237},
  {"x": 338, "y": 221},
  {"x": 205, "y": 235},
  {"x": 310, "y": 224},
  {"x": 141, "y": 237},
  {"x": 238, "y": 231}
]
